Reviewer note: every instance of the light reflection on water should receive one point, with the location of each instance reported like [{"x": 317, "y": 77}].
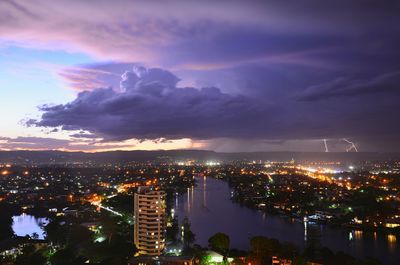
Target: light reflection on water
[
  {"x": 210, "y": 210},
  {"x": 392, "y": 242},
  {"x": 26, "y": 224}
]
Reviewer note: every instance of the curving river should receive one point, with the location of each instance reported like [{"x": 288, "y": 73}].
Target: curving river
[{"x": 210, "y": 210}]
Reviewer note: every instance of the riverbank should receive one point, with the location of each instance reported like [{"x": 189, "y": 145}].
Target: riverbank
[{"x": 210, "y": 210}]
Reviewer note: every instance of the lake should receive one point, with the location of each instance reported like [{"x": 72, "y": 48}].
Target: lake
[
  {"x": 26, "y": 224},
  {"x": 210, "y": 210}
]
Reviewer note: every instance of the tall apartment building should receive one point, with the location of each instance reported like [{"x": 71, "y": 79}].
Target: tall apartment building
[{"x": 150, "y": 221}]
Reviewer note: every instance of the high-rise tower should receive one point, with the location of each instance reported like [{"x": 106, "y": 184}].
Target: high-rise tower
[{"x": 149, "y": 213}]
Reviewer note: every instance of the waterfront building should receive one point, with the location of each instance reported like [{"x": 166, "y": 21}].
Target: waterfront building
[
  {"x": 150, "y": 219},
  {"x": 164, "y": 260}
]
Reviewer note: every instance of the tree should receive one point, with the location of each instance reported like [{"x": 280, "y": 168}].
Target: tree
[
  {"x": 173, "y": 230},
  {"x": 187, "y": 235},
  {"x": 109, "y": 226},
  {"x": 63, "y": 256},
  {"x": 288, "y": 250},
  {"x": 6, "y": 231},
  {"x": 35, "y": 236},
  {"x": 205, "y": 259},
  {"x": 121, "y": 249},
  {"x": 55, "y": 232},
  {"x": 219, "y": 242},
  {"x": 78, "y": 235},
  {"x": 261, "y": 248},
  {"x": 118, "y": 251},
  {"x": 30, "y": 256},
  {"x": 121, "y": 202}
]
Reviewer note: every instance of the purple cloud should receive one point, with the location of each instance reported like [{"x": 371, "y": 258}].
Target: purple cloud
[
  {"x": 32, "y": 143},
  {"x": 259, "y": 69},
  {"x": 208, "y": 34},
  {"x": 84, "y": 78},
  {"x": 45, "y": 143},
  {"x": 342, "y": 87},
  {"x": 151, "y": 106}
]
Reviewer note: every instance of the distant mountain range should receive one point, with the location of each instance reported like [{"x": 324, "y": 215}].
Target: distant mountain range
[{"x": 50, "y": 157}]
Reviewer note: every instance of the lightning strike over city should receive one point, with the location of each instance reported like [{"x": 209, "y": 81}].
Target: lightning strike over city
[{"x": 206, "y": 132}]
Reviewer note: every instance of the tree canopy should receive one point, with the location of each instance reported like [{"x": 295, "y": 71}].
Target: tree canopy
[{"x": 219, "y": 242}]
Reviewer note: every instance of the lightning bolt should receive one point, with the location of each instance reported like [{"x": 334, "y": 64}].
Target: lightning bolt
[
  {"x": 351, "y": 147},
  {"x": 326, "y": 146}
]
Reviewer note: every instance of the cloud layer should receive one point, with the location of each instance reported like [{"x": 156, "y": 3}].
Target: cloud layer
[
  {"x": 208, "y": 34},
  {"x": 248, "y": 70},
  {"x": 343, "y": 87},
  {"x": 150, "y": 105},
  {"x": 46, "y": 143}
]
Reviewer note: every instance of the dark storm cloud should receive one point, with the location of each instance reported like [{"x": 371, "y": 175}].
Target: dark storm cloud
[
  {"x": 208, "y": 34},
  {"x": 269, "y": 70},
  {"x": 342, "y": 87},
  {"x": 149, "y": 105},
  {"x": 83, "y": 136}
]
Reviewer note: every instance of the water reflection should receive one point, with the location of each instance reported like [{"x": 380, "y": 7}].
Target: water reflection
[
  {"x": 188, "y": 199},
  {"x": 176, "y": 200},
  {"x": 26, "y": 224},
  {"x": 210, "y": 210},
  {"x": 392, "y": 240},
  {"x": 305, "y": 230},
  {"x": 358, "y": 234},
  {"x": 204, "y": 191}
]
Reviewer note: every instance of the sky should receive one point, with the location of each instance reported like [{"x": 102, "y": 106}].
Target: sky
[{"x": 220, "y": 75}]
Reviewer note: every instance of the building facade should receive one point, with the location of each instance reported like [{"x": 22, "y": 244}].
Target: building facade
[{"x": 150, "y": 221}]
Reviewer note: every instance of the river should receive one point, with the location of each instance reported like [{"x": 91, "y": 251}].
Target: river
[{"x": 210, "y": 210}]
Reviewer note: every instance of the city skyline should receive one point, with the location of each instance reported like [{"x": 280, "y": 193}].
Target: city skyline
[{"x": 226, "y": 76}]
